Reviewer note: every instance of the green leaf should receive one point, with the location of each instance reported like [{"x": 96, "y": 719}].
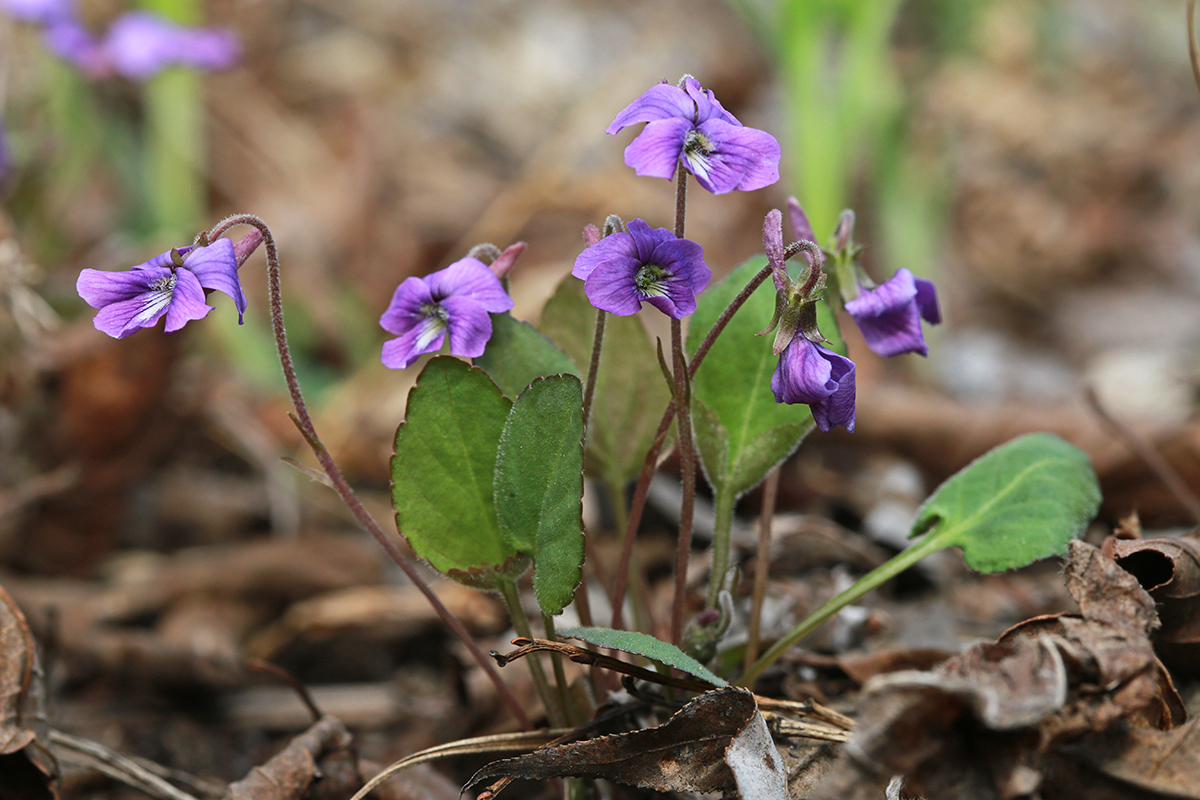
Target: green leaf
[
  {"x": 539, "y": 485},
  {"x": 1022, "y": 501},
  {"x": 734, "y": 386},
  {"x": 442, "y": 467},
  {"x": 1019, "y": 502},
  {"x": 517, "y": 354},
  {"x": 643, "y": 644},
  {"x": 630, "y": 394}
]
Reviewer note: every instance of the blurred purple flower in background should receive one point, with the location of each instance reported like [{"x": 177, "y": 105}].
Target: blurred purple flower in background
[
  {"x": 455, "y": 299},
  {"x": 171, "y": 284},
  {"x": 644, "y": 264},
  {"x": 689, "y": 123},
  {"x": 136, "y": 46}
]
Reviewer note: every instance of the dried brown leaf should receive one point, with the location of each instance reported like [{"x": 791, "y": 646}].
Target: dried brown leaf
[
  {"x": 290, "y": 774},
  {"x": 1169, "y": 569},
  {"x": 716, "y": 743},
  {"x": 25, "y": 765},
  {"x": 1166, "y": 762}
]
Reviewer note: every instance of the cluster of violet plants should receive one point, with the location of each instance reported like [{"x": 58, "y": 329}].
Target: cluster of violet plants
[{"x": 529, "y": 509}]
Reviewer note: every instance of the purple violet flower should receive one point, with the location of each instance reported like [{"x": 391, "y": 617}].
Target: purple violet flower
[
  {"x": 41, "y": 12},
  {"x": 643, "y": 264},
  {"x": 688, "y": 123},
  {"x": 890, "y": 315},
  {"x": 139, "y": 45},
  {"x": 171, "y": 284},
  {"x": 455, "y": 299},
  {"x": 818, "y": 377}
]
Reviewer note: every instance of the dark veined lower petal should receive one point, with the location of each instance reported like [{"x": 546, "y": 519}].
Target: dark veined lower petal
[
  {"x": 818, "y": 377},
  {"x": 838, "y": 407},
  {"x": 655, "y": 152},
  {"x": 424, "y": 336}
]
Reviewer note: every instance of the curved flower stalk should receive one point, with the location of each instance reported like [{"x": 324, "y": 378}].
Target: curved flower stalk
[
  {"x": 455, "y": 301},
  {"x": 170, "y": 285},
  {"x": 687, "y": 123},
  {"x": 808, "y": 372},
  {"x": 643, "y": 264}
]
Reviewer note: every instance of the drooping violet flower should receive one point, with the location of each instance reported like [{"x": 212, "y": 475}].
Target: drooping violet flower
[
  {"x": 455, "y": 299},
  {"x": 890, "y": 314},
  {"x": 643, "y": 264},
  {"x": 139, "y": 45},
  {"x": 41, "y": 12},
  {"x": 818, "y": 377},
  {"x": 689, "y": 123},
  {"x": 171, "y": 284}
]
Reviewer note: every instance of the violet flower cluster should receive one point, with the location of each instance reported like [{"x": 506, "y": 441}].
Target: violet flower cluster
[
  {"x": 171, "y": 285},
  {"x": 137, "y": 45}
]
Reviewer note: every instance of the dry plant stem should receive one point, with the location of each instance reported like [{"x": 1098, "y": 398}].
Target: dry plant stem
[
  {"x": 620, "y": 581},
  {"x": 115, "y": 766},
  {"x": 305, "y": 424},
  {"x": 761, "y": 564},
  {"x": 508, "y": 590},
  {"x": 560, "y": 675},
  {"x": 1150, "y": 455}
]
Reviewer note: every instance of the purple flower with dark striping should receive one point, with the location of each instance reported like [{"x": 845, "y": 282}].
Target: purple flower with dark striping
[
  {"x": 643, "y": 264},
  {"x": 689, "y": 123},
  {"x": 454, "y": 300},
  {"x": 818, "y": 377},
  {"x": 170, "y": 285},
  {"x": 890, "y": 314}
]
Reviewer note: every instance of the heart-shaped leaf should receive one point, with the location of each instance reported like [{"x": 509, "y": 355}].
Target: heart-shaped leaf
[
  {"x": 442, "y": 470},
  {"x": 539, "y": 485}
]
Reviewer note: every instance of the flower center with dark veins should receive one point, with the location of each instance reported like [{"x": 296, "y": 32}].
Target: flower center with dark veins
[
  {"x": 697, "y": 144},
  {"x": 651, "y": 280},
  {"x": 434, "y": 320},
  {"x": 165, "y": 284}
]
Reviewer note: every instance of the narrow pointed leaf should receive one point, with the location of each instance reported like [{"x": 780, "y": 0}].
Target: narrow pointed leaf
[
  {"x": 643, "y": 644},
  {"x": 517, "y": 354},
  {"x": 1022, "y": 501},
  {"x": 539, "y": 485},
  {"x": 734, "y": 385},
  {"x": 630, "y": 393},
  {"x": 442, "y": 468}
]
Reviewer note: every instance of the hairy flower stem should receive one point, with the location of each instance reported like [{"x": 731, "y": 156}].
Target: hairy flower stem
[
  {"x": 722, "y": 527},
  {"x": 512, "y": 600},
  {"x": 338, "y": 481},
  {"x": 686, "y": 447},
  {"x": 762, "y": 563},
  {"x": 621, "y": 579},
  {"x": 589, "y": 392}
]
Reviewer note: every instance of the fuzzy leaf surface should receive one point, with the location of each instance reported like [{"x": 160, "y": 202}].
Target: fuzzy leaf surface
[
  {"x": 443, "y": 464},
  {"x": 1024, "y": 500},
  {"x": 517, "y": 354},
  {"x": 539, "y": 485}
]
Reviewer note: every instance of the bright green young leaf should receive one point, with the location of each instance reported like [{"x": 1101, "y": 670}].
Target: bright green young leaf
[
  {"x": 643, "y": 644},
  {"x": 630, "y": 393},
  {"x": 442, "y": 467},
  {"x": 539, "y": 485},
  {"x": 1022, "y": 501},
  {"x": 734, "y": 386},
  {"x": 517, "y": 353}
]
